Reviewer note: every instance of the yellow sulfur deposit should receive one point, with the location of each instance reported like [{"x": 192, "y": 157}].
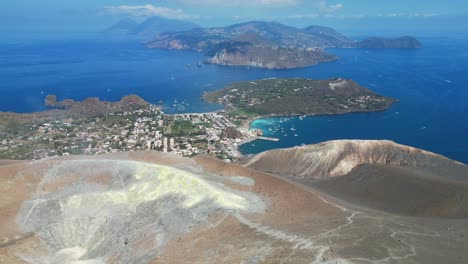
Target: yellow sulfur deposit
[{"x": 153, "y": 182}]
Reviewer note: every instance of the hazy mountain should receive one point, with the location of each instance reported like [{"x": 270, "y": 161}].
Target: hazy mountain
[
  {"x": 153, "y": 26},
  {"x": 123, "y": 27},
  {"x": 149, "y": 28}
]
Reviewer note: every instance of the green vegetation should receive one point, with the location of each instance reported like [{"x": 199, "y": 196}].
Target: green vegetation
[
  {"x": 183, "y": 128},
  {"x": 297, "y": 97}
]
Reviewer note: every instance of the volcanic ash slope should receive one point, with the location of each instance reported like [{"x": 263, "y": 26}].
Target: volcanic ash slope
[{"x": 378, "y": 174}]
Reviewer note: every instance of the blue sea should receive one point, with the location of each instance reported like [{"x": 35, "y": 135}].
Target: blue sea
[{"x": 431, "y": 84}]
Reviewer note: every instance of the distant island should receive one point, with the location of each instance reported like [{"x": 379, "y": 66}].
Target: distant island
[
  {"x": 269, "y": 45},
  {"x": 386, "y": 43},
  {"x": 147, "y": 29},
  {"x": 285, "y": 97}
]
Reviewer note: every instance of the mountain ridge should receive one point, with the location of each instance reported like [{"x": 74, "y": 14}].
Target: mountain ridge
[{"x": 269, "y": 45}]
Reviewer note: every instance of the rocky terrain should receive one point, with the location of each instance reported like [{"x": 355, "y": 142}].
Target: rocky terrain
[
  {"x": 270, "y": 57},
  {"x": 150, "y": 207},
  {"x": 268, "y": 45},
  {"x": 385, "y": 43},
  {"x": 378, "y": 174}
]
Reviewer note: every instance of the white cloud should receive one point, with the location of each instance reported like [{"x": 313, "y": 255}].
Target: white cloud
[
  {"x": 146, "y": 11},
  {"x": 324, "y": 7}
]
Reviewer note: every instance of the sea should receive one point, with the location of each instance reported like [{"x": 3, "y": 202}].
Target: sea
[{"x": 431, "y": 85}]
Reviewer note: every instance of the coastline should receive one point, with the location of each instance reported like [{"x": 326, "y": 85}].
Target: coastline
[
  {"x": 218, "y": 124},
  {"x": 247, "y": 123}
]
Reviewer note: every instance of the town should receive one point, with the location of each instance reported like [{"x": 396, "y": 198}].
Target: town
[{"x": 149, "y": 128}]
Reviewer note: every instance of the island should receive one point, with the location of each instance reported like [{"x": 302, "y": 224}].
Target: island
[
  {"x": 269, "y": 45},
  {"x": 288, "y": 97},
  {"x": 261, "y": 44},
  {"x": 386, "y": 43}
]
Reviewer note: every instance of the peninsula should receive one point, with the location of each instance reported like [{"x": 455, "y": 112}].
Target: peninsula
[{"x": 286, "y": 97}]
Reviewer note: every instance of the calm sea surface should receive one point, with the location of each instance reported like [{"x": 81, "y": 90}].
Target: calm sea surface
[{"x": 431, "y": 84}]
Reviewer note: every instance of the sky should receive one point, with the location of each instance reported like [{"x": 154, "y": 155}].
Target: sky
[{"x": 355, "y": 17}]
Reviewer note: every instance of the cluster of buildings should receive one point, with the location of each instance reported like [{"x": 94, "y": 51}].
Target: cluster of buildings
[{"x": 144, "y": 129}]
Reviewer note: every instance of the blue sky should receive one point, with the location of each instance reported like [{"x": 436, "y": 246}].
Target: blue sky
[{"x": 352, "y": 16}]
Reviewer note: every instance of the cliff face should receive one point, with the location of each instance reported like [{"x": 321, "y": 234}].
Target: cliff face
[{"x": 270, "y": 57}]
